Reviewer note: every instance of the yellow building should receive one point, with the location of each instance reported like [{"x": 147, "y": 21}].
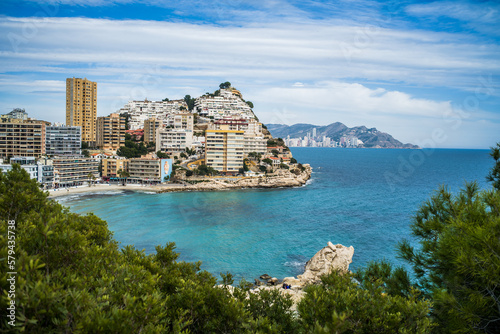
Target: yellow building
[
  {"x": 150, "y": 126},
  {"x": 110, "y": 167},
  {"x": 224, "y": 150},
  {"x": 81, "y": 106},
  {"x": 25, "y": 138},
  {"x": 111, "y": 132}
]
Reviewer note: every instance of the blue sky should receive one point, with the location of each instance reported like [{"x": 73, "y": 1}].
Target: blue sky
[{"x": 426, "y": 72}]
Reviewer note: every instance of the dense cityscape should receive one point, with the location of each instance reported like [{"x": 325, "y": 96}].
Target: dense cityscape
[{"x": 144, "y": 142}]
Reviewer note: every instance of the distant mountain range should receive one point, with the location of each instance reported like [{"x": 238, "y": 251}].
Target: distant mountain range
[{"x": 372, "y": 138}]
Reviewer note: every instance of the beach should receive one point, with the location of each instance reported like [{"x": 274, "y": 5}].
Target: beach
[
  {"x": 107, "y": 187},
  {"x": 280, "y": 179}
]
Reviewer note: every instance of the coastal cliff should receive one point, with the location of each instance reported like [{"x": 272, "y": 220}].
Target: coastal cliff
[{"x": 282, "y": 178}]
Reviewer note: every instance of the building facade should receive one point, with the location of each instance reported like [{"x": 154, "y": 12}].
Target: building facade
[
  {"x": 110, "y": 167},
  {"x": 228, "y": 103},
  {"x": 171, "y": 141},
  {"x": 150, "y": 127},
  {"x": 81, "y": 107},
  {"x": 73, "y": 171},
  {"x": 143, "y": 170},
  {"x": 63, "y": 140},
  {"x": 44, "y": 174},
  {"x": 139, "y": 111},
  {"x": 224, "y": 150},
  {"x": 19, "y": 137},
  {"x": 111, "y": 132}
]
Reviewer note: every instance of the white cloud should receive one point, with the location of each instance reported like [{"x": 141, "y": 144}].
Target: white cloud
[{"x": 286, "y": 69}]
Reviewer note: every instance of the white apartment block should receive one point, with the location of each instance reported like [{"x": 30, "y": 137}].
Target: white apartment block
[
  {"x": 228, "y": 103},
  {"x": 183, "y": 121},
  {"x": 170, "y": 140},
  {"x": 140, "y": 111}
]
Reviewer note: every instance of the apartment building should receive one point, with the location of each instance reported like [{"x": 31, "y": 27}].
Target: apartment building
[
  {"x": 224, "y": 150},
  {"x": 110, "y": 167},
  {"x": 111, "y": 132},
  {"x": 42, "y": 173},
  {"x": 171, "y": 141},
  {"x": 81, "y": 107},
  {"x": 150, "y": 127},
  {"x": 73, "y": 171},
  {"x": 254, "y": 140},
  {"x": 144, "y": 170},
  {"x": 183, "y": 121},
  {"x": 63, "y": 140},
  {"x": 20, "y": 137},
  {"x": 139, "y": 111},
  {"x": 16, "y": 113},
  {"x": 228, "y": 103}
]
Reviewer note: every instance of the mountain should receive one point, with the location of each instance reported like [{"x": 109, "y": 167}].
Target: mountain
[{"x": 372, "y": 138}]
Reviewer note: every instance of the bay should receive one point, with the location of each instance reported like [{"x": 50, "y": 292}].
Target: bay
[{"x": 360, "y": 197}]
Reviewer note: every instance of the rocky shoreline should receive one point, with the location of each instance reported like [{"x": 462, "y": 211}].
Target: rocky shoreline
[
  {"x": 328, "y": 259},
  {"x": 280, "y": 179}
]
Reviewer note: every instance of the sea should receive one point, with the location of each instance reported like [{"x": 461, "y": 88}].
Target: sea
[{"x": 365, "y": 198}]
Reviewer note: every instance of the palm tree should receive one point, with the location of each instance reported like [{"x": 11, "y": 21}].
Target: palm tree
[
  {"x": 123, "y": 175},
  {"x": 91, "y": 178}
]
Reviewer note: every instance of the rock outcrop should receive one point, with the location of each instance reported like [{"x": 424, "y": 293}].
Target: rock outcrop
[
  {"x": 281, "y": 178},
  {"x": 332, "y": 257},
  {"x": 328, "y": 259}
]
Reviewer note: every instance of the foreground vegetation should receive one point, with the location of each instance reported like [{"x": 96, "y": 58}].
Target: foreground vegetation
[{"x": 73, "y": 277}]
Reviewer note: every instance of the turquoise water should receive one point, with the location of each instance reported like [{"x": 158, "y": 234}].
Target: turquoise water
[{"x": 359, "y": 197}]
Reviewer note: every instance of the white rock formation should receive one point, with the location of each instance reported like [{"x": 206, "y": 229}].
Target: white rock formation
[{"x": 332, "y": 257}]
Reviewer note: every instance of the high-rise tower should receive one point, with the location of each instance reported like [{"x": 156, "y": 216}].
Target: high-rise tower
[{"x": 81, "y": 107}]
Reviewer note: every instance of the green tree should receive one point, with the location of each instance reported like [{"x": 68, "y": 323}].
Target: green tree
[
  {"x": 123, "y": 175},
  {"x": 91, "y": 178},
  {"x": 190, "y": 102},
  {"x": 250, "y": 104},
  {"x": 268, "y": 161},
  {"x": 162, "y": 155},
  {"x": 494, "y": 175},
  {"x": 457, "y": 264},
  {"x": 225, "y": 85},
  {"x": 340, "y": 305}
]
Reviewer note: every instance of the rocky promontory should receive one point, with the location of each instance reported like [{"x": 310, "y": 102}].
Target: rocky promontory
[
  {"x": 281, "y": 178},
  {"x": 328, "y": 259}
]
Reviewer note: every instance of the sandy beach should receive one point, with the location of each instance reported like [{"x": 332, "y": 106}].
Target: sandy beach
[{"x": 106, "y": 187}]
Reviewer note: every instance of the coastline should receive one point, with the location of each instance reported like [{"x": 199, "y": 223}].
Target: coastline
[{"x": 281, "y": 179}]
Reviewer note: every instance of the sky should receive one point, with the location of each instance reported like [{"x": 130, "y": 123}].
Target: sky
[{"x": 427, "y": 72}]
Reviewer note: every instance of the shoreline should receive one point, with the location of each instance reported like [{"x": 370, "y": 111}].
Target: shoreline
[{"x": 281, "y": 180}]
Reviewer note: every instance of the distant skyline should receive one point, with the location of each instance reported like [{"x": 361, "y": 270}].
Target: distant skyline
[{"x": 425, "y": 72}]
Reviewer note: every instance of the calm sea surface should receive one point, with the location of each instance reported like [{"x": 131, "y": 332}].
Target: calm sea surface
[{"x": 359, "y": 197}]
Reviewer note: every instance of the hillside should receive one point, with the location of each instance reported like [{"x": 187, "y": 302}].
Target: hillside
[{"x": 371, "y": 137}]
